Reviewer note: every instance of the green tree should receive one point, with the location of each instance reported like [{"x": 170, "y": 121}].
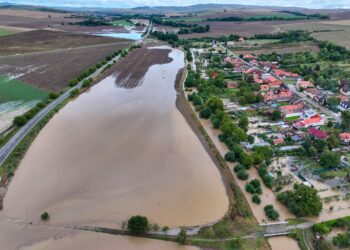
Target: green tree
[
  {"x": 45, "y": 216},
  {"x": 138, "y": 224},
  {"x": 242, "y": 175},
  {"x": 330, "y": 159},
  {"x": 345, "y": 116},
  {"x": 302, "y": 201},
  {"x": 230, "y": 156},
  {"x": 243, "y": 122},
  {"x": 215, "y": 104},
  {"x": 271, "y": 213},
  {"x": 332, "y": 141},
  {"x": 256, "y": 199},
  {"x": 182, "y": 236},
  {"x": 276, "y": 115},
  {"x": 205, "y": 113}
]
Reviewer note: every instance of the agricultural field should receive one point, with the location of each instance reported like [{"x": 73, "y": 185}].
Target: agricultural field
[
  {"x": 6, "y": 32},
  {"x": 43, "y": 40},
  {"x": 16, "y": 97},
  {"x": 337, "y": 31},
  {"x": 121, "y": 23},
  {"x": 53, "y": 70}
]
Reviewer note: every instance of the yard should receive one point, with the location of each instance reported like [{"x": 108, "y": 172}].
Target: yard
[{"x": 121, "y": 23}]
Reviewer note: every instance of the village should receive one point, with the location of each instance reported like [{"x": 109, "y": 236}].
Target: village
[{"x": 287, "y": 114}]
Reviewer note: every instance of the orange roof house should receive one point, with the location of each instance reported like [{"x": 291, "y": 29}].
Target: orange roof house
[
  {"x": 315, "y": 120},
  {"x": 278, "y": 141},
  {"x": 304, "y": 84},
  {"x": 264, "y": 87},
  {"x": 345, "y": 137}
]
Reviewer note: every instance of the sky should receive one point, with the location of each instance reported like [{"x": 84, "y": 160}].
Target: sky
[{"x": 314, "y": 4}]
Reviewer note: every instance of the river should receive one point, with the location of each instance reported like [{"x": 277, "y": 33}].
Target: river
[{"x": 113, "y": 153}]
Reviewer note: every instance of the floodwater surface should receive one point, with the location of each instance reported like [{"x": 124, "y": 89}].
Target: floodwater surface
[{"x": 113, "y": 153}]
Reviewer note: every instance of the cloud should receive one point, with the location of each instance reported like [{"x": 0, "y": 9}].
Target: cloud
[{"x": 133, "y": 3}]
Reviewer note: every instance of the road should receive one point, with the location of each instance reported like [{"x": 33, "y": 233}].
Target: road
[
  {"x": 6, "y": 150},
  {"x": 326, "y": 111}
]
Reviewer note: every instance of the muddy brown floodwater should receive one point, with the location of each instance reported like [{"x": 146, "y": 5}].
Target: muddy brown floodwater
[{"x": 113, "y": 153}]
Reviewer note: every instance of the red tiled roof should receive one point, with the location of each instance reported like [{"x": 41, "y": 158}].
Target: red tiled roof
[
  {"x": 318, "y": 133},
  {"x": 345, "y": 136},
  {"x": 278, "y": 141}
]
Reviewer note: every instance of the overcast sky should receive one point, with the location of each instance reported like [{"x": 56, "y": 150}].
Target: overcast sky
[{"x": 133, "y": 3}]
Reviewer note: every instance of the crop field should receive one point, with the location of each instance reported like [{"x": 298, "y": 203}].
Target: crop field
[
  {"x": 337, "y": 32},
  {"x": 53, "y": 70},
  {"x": 240, "y": 28},
  {"x": 5, "y": 32},
  {"x": 14, "y": 90},
  {"x": 121, "y": 23},
  {"x": 43, "y": 40},
  {"x": 16, "y": 98}
]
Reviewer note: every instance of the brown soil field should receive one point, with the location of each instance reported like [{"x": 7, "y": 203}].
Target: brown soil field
[
  {"x": 337, "y": 32},
  {"x": 238, "y": 28},
  {"x": 131, "y": 70},
  {"x": 53, "y": 70},
  {"x": 30, "y": 13},
  {"x": 43, "y": 40},
  {"x": 281, "y": 50}
]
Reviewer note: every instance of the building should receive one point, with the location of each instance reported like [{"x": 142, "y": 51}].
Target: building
[
  {"x": 344, "y": 87},
  {"x": 319, "y": 134},
  {"x": 313, "y": 121},
  {"x": 232, "y": 85},
  {"x": 285, "y": 74},
  {"x": 278, "y": 141},
  {"x": 293, "y": 109},
  {"x": 344, "y": 106},
  {"x": 345, "y": 137},
  {"x": 311, "y": 92},
  {"x": 304, "y": 84},
  {"x": 264, "y": 87}
]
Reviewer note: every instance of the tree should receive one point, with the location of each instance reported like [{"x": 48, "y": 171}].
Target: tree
[
  {"x": 205, "y": 113},
  {"x": 230, "y": 156},
  {"x": 345, "y": 116},
  {"x": 45, "y": 216},
  {"x": 320, "y": 145},
  {"x": 138, "y": 224},
  {"x": 271, "y": 213},
  {"x": 332, "y": 141},
  {"x": 243, "y": 122},
  {"x": 256, "y": 199},
  {"x": 19, "y": 121},
  {"x": 242, "y": 175},
  {"x": 215, "y": 104},
  {"x": 302, "y": 201},
  {"x": 276, "y": 115},
  {"x": 182, "y": 236},
  {"x": 330, "y": 159}
]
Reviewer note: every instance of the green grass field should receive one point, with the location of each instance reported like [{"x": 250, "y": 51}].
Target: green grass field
[
  {"x": 5, "y": 32},
  {"x": 15, "y": 90},
  {"x": 121, "y": 23}
]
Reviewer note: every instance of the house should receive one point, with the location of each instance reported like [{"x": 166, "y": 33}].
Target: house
[
  {"x": 304, "y": 84},
  {"x": 264, "y": 87},
  {"x": 214, "y": 74},
  {"x": 317, "y": 133},
  {"x": 343, "y": 98},
  {"x": 345, "y": 137},
  {"x": 313, "y": 121},
  {"x": 344, "y": 87},
  {"x": 292, "y": 110},
  {"x": 285, "y": 74},
  {"x": 278, "y": 141},
  {"x": 278, "y": 96},
  {"x": 232, "y": 85},
  {"x": 250, "y": 57},
  {"x": 311, "y": 92},
  {"x": 344, "y": 106},
  {"x": 275, "y": 85},
  {"x": 257, "y": 79}
]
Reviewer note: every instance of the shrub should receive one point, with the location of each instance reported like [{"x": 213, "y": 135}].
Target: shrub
[
  {"x": 271, "y": 213},
  {"x": 256, "y": 199},
  {"x": 238, "y": 168},
  {"x": 45, "y": 216},
  {"x": 230, "y": 156},
  {"x": 53, "y": 95},
  {"x": 342, "y": 240},
  {"x": 205, "y": 113},
  {"x": 138, "y": 224},
  {"x": 182, "y": 236},
  {"x": 242, "y": 175},
  {"x": 249, "y": 188}
]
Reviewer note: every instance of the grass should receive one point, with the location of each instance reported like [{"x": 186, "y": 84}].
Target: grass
[
  {"x": 259, "y": 243},
  {"x": 187, "y": 19},
  {"x": 121, "y": 23},
  {"x": 15, "y": 90},
  {"x": 6, "y": 32},
  {"x": 292, "y": 118}
]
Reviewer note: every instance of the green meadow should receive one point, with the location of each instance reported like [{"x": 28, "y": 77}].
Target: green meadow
[{"x": 15, "y": 90}]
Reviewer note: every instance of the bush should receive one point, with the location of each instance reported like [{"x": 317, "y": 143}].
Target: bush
[
  {"x": 74, "y": 93},
  {"x": 19, "y": 121},
  {"x": 238, "y": 168},
  {"x": 271, "y": 213},
  {"x": 45, "y": 216},
  {"x": 303, "y": 201},
  {"x": 230, "y": 156},
  {"x": 205, "y": 113},
  {"x": 242, "y": 175},
  {"x": 249, "y": 188},
  {"x": 256, "y": 199},
  {"x": 138, "y": 224},
  {"x": 254, "y": 187},
  {"x": 342, "y": 240},
  {"x": 182, "y": 236},
  {"x": 53, "y": 95}
]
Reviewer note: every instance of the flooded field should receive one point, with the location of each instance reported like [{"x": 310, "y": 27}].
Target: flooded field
[
  {"x": 283, "y": 242},
  {"x": 113, "y": 153}
]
